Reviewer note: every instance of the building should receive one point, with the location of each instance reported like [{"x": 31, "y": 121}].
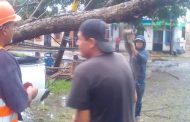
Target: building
[
  {"x": 160, "y": 35},
  {"x": 187, "y": 34},
  {"x": 52, "y": 40}
]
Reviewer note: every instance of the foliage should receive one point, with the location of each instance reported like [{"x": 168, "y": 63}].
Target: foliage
[
  {"x": 27, "y": 9},
  {"x": 60, "y": 87},
  {"x": 168, "y": 13}
]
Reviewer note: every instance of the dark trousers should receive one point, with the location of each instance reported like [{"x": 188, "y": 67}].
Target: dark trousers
[
  {"x": 117, "y": 47},
  {"x": 140, "y": 88}
]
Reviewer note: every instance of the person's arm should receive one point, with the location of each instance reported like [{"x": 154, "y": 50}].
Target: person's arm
[
  {"x": 79, "y": 97},
  {"x": 11, "y": 89},
  {"x": 81, "y": 116},
  {"x": 135, "y": 97},
  {"x": 133, "y": 50},
  {"x": 142, "y": 56},
  {"x": 31, "y": 91},
  {"x": 128, "y": 37}
]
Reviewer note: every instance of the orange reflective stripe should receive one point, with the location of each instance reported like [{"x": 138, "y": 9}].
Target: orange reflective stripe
[
  {"x": 16, "y": 120},
  {"x": 5, "y": 111}
]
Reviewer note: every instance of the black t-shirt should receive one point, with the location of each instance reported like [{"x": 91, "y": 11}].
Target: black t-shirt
[{"x": 105, "y": 86}]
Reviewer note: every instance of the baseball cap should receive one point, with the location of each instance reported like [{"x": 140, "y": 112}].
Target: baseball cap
[{"x": 97, "y": 29}]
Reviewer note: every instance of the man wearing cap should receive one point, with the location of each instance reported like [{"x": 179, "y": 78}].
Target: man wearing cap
[
  {"x": 14, "y": 97},
  {"x": 99, "y": 93}
]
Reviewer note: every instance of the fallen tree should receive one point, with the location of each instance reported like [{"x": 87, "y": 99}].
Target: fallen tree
[{"x": 124, "y": 12}]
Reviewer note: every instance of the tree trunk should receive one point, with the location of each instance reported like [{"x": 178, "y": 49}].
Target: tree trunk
[
  {"x": 129, "y": 36},
  {"x": 114, "y": 2},
  {"x": 124, "y": 12}
]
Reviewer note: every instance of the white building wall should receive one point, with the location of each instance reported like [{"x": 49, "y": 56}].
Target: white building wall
[
  {"x": 115, "y": 33},
  {"x": 148, "y": 34},
  {"x": 187, "y": 37},
  {"x": 165, "y": 47},
  {"x": 177, "y": 37},
  {"x": 54, "y": 39}
]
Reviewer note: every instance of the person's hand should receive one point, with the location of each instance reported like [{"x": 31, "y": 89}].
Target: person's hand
[
  {"x": 129, "y": 35},
  {"x": 30, "y": 89},
  {"x": 26, "y": 85},
  {"x": 134, "y": 51},
  {"x": 32, "y": 93}
]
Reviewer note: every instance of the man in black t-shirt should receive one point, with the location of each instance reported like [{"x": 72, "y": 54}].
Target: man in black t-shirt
[{"x": 102, "y": 87}]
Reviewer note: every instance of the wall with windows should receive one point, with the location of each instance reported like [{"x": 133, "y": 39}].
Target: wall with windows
[{"x": 177, "y": 37}]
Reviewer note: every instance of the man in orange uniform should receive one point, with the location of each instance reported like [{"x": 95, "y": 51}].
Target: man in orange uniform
[{"x": 14, "y": 98}]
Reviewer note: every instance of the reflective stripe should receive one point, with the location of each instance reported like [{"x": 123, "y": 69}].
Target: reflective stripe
[
  {"x": 12, "y": 118},
  {"x": 5, "y": 111},
  {"x": 2, "y": 103},
  {"x": 6, "y": 114}
]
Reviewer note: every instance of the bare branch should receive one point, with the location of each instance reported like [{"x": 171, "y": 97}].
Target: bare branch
[
  {"x": 87, "y": 6},
  {"x": 39, "y": 5},
  {"x": 25, "y": 4},
  {"x": 42, "y": 14}
]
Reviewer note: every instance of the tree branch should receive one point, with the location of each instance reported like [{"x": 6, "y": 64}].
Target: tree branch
[
  {"x": 124, "y": 12},
  {"x": 88, "y": 4},
  {"x": 114, "y": 2},
  {"x": 25, "y": 4},
  {"x": 34, "y": 12}
]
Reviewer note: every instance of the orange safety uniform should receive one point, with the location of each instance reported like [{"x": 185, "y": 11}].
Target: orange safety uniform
[{"x": 6, "y": 114}]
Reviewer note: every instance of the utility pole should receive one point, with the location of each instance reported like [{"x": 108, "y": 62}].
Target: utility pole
[
  {"x": 171, "y": 36},
  {"x": 61, "y": 51}
]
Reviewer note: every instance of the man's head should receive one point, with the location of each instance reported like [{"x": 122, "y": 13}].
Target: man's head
[
  {"x": 8, "y": 19},
  {"x": 93, "y": 38},
  {"x": 140, "y": 42}
]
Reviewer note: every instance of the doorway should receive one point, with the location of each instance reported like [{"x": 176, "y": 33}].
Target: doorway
[{"x": 158, "y": 40}]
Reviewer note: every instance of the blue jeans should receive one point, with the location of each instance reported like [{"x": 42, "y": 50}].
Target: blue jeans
[{"x": 140, "y": 88}]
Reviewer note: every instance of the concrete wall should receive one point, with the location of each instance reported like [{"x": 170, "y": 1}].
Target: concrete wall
[
  {"x": 58, "y": 38},
  {"x": 177, "y": 37},
  {"x": 148, "y": 34},
  {"x": 115, "y": 32},
  {"x": 40, "y": 40},
  {"x": 187, "y": 37}
]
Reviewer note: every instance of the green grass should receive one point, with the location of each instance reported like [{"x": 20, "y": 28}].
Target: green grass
[
  {"x": 60, "y": 87},
  {"x": 19, "y": 54}
]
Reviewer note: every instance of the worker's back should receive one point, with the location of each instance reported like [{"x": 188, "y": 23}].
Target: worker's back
[{"x": 106, "y": 88}]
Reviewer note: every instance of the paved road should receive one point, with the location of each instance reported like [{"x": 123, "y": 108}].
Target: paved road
[{"x": 167, "y": 92}]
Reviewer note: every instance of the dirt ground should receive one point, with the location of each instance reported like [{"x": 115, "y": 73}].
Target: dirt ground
[{"x": 166, "y": 98}]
